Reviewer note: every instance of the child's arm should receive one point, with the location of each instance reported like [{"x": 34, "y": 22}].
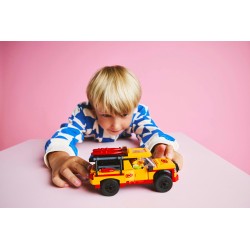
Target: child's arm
[
  {"x": 151, "y": 137},
  {"x": 61, "y": 151},
  {"x": 64, "y": 167}
]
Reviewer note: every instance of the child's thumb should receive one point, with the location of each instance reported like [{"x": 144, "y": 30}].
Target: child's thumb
[{"x": 170, "y": 152}]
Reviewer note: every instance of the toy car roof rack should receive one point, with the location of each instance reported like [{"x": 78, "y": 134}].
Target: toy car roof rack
[{"x": 106, "y": 152}]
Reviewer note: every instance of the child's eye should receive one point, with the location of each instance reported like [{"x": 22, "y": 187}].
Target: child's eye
[{"x": 124, "y": 115}]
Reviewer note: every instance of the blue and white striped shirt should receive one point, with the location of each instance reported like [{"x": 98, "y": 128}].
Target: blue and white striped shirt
[{"x": 83, "y": 123}]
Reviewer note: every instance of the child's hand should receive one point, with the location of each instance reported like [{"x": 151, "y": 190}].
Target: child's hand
[
  {"x": 64, "y": 168},
  {"x": 163, "y": 150}
]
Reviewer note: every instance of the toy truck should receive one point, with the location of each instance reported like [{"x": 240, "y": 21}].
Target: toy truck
[{"x": 116, "y": 167}]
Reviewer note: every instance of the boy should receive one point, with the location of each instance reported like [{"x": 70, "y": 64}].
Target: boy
[{"x": 112, "y": 111}]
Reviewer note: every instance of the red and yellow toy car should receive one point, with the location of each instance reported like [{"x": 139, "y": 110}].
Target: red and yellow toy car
[{"x": 115, "y": 167}]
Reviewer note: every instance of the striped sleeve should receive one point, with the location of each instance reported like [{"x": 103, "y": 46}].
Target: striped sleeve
[
  {"x": 69, "y": 134},
  {"x": 148, "y": 132}
]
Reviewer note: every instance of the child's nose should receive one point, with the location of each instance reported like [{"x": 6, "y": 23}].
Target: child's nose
[{"x": 116, "y": 124}]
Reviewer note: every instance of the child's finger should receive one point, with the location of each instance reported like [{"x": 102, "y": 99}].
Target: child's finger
[
  {"x": 169, "y": 151},
  {"x": 84, "y": 163},
  {"x": 59, "y": 182},
  {"x": 159, "y": 151},
  {"x": 80, "y": 169},
  {"x": 68, "y": 174},
  {"x": 178, "y": 159}
]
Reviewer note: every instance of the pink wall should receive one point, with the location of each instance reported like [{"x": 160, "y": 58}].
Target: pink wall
[
  {"x": 1, "y": 90},
  {"x": 198, "y": 88}
]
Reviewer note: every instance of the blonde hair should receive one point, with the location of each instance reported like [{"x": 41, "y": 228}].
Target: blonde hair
[{"x": 115, "y": 89}]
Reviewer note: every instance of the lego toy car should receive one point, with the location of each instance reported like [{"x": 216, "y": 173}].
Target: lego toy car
[{"x": 117, "y": 167}]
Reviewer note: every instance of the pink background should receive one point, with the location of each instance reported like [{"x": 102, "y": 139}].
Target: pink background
[{"x": 198, "y": 88}]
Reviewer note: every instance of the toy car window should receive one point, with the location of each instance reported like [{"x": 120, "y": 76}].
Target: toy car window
[{"x": 108, "y": 164}]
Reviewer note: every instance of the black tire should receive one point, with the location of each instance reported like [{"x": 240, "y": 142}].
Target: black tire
[
  {"x": 109, "y": 187},
  {"x": 163, "y": 183}
]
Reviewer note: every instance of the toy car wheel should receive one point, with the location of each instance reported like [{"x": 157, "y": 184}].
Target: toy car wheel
[
  {"x": 109, "y": 187},
  {"x": 163, "y": 183}
]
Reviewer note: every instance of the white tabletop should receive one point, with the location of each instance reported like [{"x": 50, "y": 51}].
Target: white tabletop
[{"x": 206, "y": 180}]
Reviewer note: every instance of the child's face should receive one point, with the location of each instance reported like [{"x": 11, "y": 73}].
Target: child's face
[{"x": 113, "y": 124}]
